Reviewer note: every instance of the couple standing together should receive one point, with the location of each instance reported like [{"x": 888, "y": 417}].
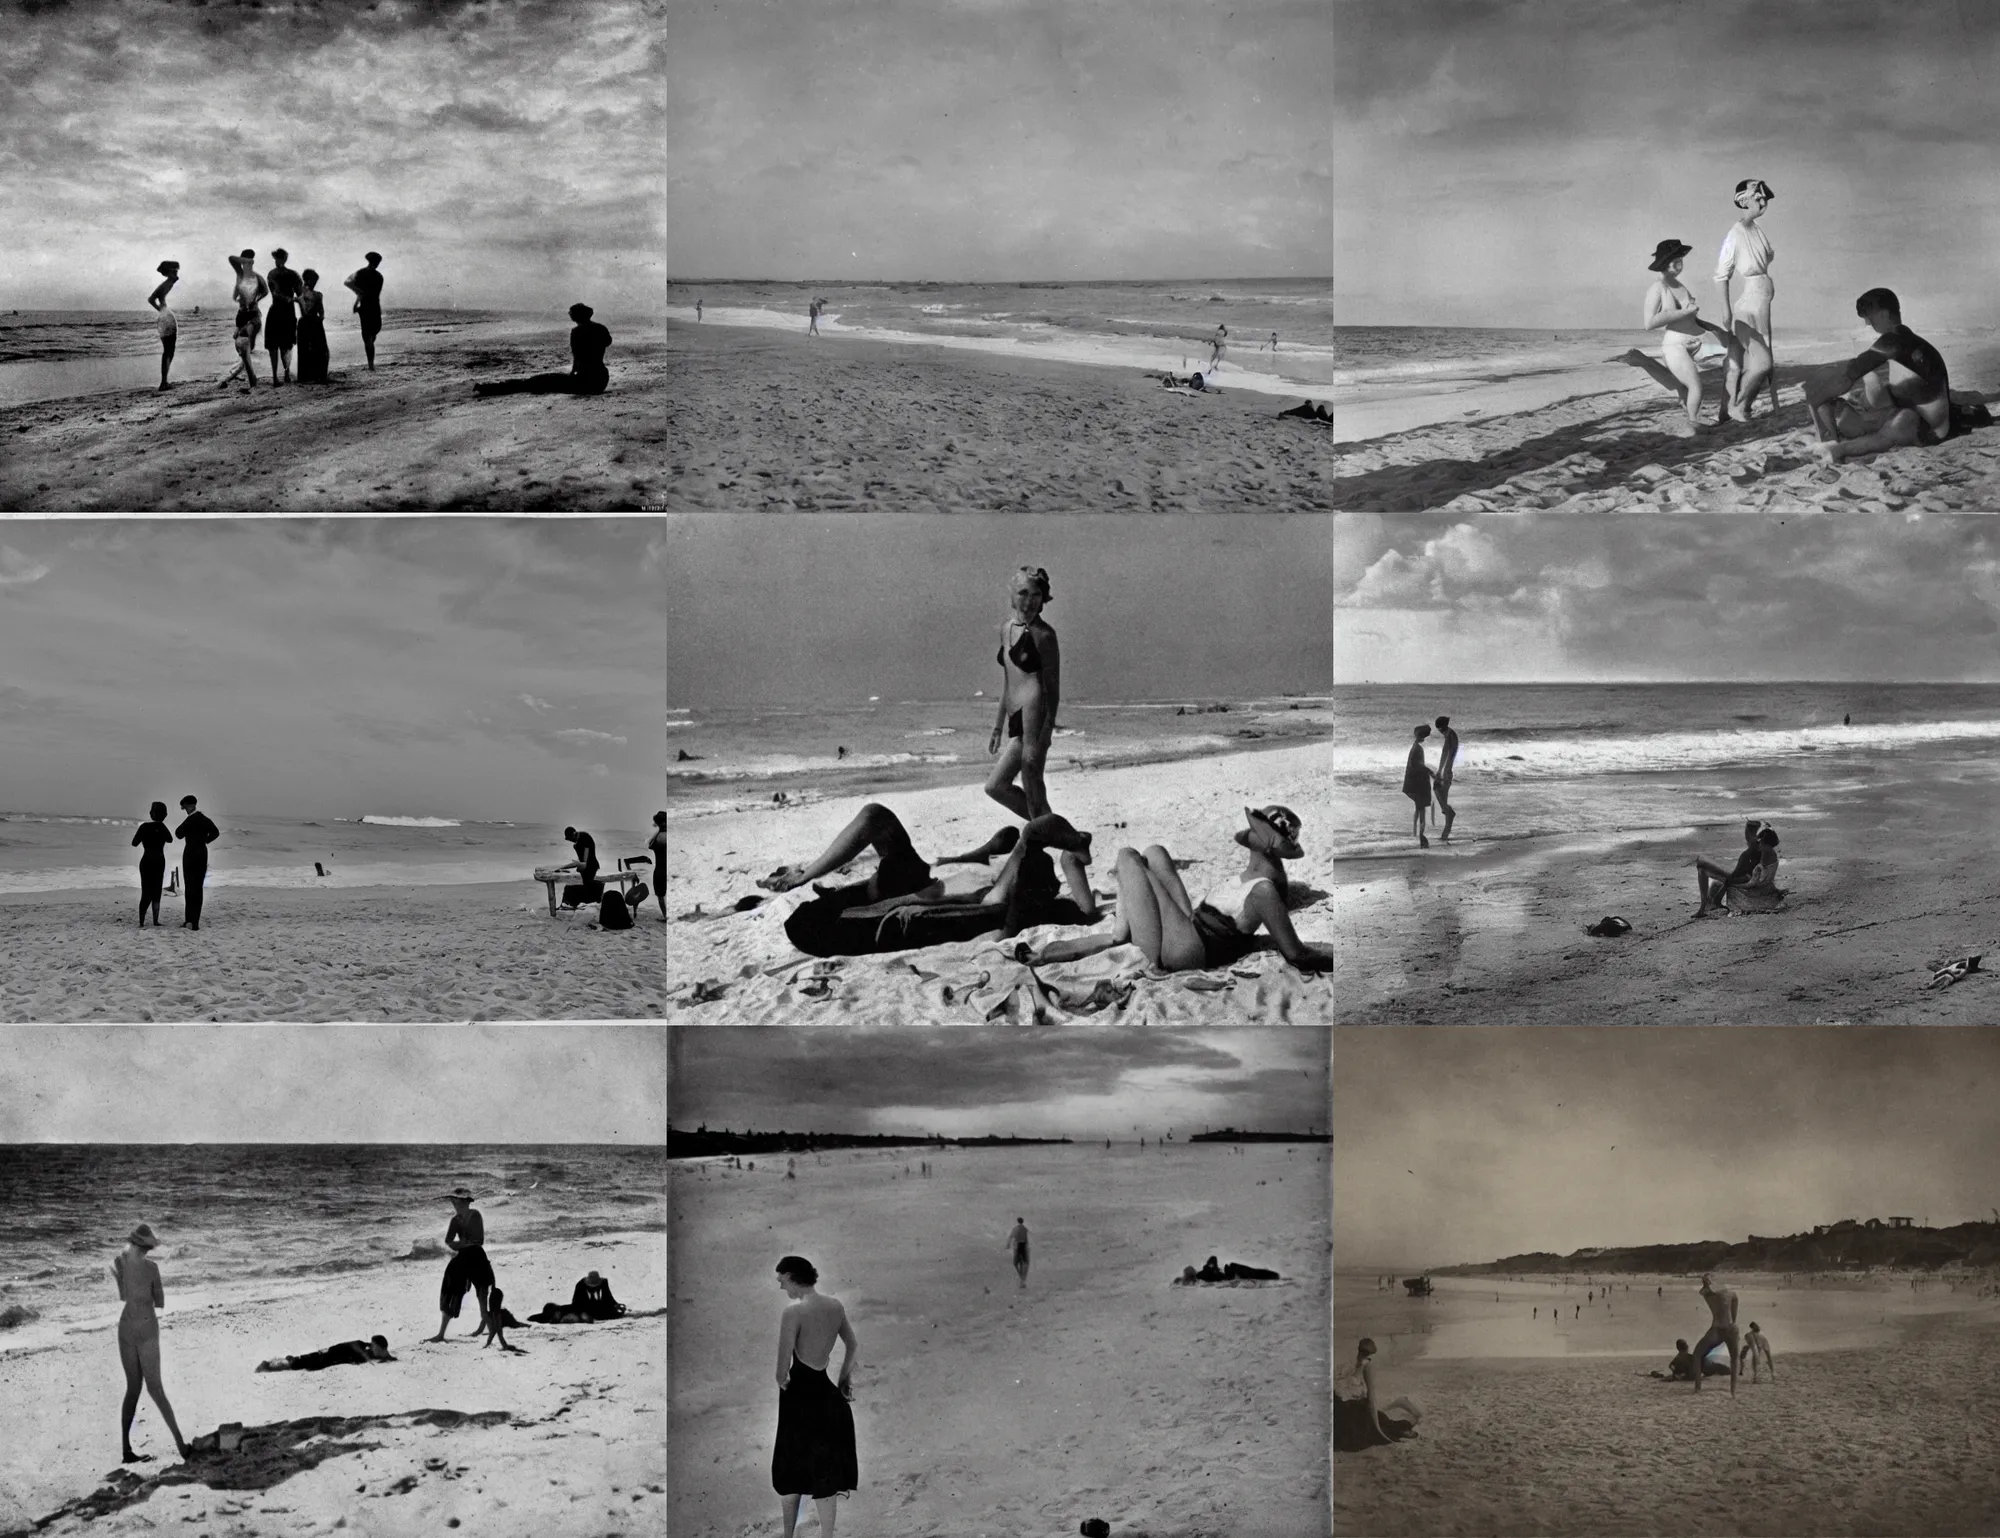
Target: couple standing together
[
  {"x": 1422, "y": 784},
  {"x": 196, "y": 833}
]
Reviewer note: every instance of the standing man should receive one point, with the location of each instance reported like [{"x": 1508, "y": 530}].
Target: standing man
[
  {"x": 812, "y": 318},
  {"x": 1417, "y": 783},
  {"x": 1757, "y": 1344},
  {"x": 367, "y": 285},
  {"x": 588, "y": 889},
  {"x": 1722, "y": 1311},
  {"x": 196, "y": 833},
  {"x": 1017, "y": 1241},
  {"x": 465, "y": 1237},
  {"x": 1447, "y": 757},
  {"x": 697, "y": 310}
]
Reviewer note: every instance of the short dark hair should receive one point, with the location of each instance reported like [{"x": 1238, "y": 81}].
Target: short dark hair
[
  {"x": 1442, "y": 722},
  {"x": 799, "y": 1269},
  {"x": 373, "y": 256},
  {"x": 1421, "y": 730},
  {"x": 1680, "y": 1345},
  {"x": 157, "y": 810},
  {"x": 1753, "y": 1324},
  {"x": 1768, "y": 838},
  {"x": 1878, "y": 299},
  {"x": 379, "y": 1340},
  {"x": 310, "y": 277},
  {"x": 569, "y": 833},
  {"x": 188, "y": 801}
]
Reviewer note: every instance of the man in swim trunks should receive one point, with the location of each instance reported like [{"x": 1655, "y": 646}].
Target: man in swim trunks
[
  {"x": 1755, "y": 1345},
  {"x": 1017, "y": 1240},
  {"x": 367, "y": 285},
  {"x": 1907, "y": 387},
  {"x": 1722, "y": 1313},
  {"x": 1447, "y": 757},
  {"x": 349, "y": 1353},
  {"x": 465, "y": 1237},
  {"x": 1714, "y": 881}
]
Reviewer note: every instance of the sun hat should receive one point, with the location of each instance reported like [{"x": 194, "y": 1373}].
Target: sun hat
[
  {"x": 143, "y": 1237},
  {"x": 1284, "y": 822},
  {"x": 460, "y": 1194},
  {"x": 167, "y": 269},
  {"x": 1665, "y": 252}
]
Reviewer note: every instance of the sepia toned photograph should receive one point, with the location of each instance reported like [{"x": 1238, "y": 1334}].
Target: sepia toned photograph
[
  {"x": 981, "y": 1281},
  {"x": 304, "y": 1279},
  {"x": 321, "y": 255},
  {"x": 1035, "y": 768},
  {"x": 343, "y": 769},
  {"x": 1003, "y": 256},
  {"x": 1734, "y": 1280},
  {"x": 1664, "y": 770},
  {"x": 1709, "y": 257}
]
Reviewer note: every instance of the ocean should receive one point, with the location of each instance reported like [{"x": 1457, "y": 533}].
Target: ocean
[
  {"x": 1528, "y": 752},
  {"x": 43, "y": 852},
  {"x": 741, "y": 756},
  {"x": 1149, "y": 326},
  {"x": 241, "y": 1221}
]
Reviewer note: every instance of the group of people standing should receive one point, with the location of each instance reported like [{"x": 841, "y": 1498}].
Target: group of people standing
[
  {"x": 297, "y": 319},
  {"x": 1425, "y": 785}
]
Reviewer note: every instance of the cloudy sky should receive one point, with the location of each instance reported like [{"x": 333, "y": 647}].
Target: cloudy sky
[
  {"x": 486, "y": 668},
  {"x": 1514, "y": 162},
  {"x": 498, "y": 153},
  {"x": 1455, "y": 1145},
  {"x": 908, "y": 607},
  {"x": 334, "y": 1083},
  {"x": 984, "y": 140},
  {"x": 1433, "y": 598},
  {"x": 1104, "y": 1082}
]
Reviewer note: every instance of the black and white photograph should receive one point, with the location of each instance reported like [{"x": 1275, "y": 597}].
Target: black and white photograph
[
  {"x": 326, "y": 255},
  {"x": 1733, "y": 1280},
  {"x": 294, "y": 1279},
  {"x": 1706, "y": 257},
  {"x": 999, "y": 255},
  {"x": 340, "y": 769},
  {"x": 998, "y": 1280}
]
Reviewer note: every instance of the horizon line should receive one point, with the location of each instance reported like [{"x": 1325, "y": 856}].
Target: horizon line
[
  {"x": 1036, "y": 282},
  {"x": 1650, "y": 683}
]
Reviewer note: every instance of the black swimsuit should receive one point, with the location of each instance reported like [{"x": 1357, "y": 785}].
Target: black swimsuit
[{"x": 1026, "y": 656}]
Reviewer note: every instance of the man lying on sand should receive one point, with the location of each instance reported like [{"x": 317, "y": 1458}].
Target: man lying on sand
[
  {"x": 1311, "y": 413},
  {"x": 349, "y": 1353},
  {"x": 1907, "y": 387},
  {"x": 1233, "y": 1272}
]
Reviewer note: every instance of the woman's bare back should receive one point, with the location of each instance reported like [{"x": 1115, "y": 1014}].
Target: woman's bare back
[{"x": 819, "y": 1321}]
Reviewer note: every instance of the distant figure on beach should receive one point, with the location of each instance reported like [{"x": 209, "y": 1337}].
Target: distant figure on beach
[
  {"x": 1179, "y": 935},
  {"x": 281, "y": 330},
  {"x": 170, "y": 273},
  {"x": 814, "y": 1452},
  {"x": 313, "y": 357},
  {"x": 1018, "y": 1241},
  {"x": 367, "y": 285},
  {"x": 1747, "y": 254},
  {"x": 1360, "y": 1419},
  {"x": 465, "y": 1237},
  {"x": 196, "y": 833},
  {"x": 658, "y": 845},
  {"x": 1031, "y": 668},
  {"x": 1309, "y": 411},
  {"x": 1216, "y": 344},
  {"x": 1905, "y": 384},
  {"x": 1847, "y": 720},
  {"x": 1272, "y": 344},
  {"x": 153, "y": 838},
  {"x": 697, "y": 309},
  {"x": 349, "y": 1353},
  {"x": 586, "y": 888},
  {"x": 138, "y": 1280},
  {"x": 1195, "y": 382},
  {"x": 1441, "y": 776},
  {"x": 1757, "y": 1345},
  {"x": 812, "y": 318},
  {"x": 1714, "y": 881},
  {"x": 1674, "y": 312},
  {"x": 588, "y": 342},
  {"x": 1722, "y": 1313},
  {"x": 1418, "y": 783}
]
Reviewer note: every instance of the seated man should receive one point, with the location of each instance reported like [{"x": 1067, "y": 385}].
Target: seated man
[
  {"x": 1681, "y": 1368},
  {"x": 593, "y": 1296},
  {"x": 349, "y": 1353},
  {"x": 1761, "y": 891},
  {"x": 1907, "y": 388},
  {"x": 1714, "y": 881}
]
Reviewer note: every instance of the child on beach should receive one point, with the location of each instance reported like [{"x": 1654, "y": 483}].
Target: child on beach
[
  {"x": 1672, "y": 311},
  {"x": 169, "y": 327}
]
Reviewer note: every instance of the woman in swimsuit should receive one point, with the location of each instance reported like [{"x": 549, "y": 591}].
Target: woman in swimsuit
[
  {"x": 169, "y": 327},
  {"x": 154, "y": 836},
  {"x": 1747, "y": 254},
  {"x": 250, "y": 291},
  {"x": 1359, "y": 1419},
  {"x": 1032, "y": 663},
  {"x": 814, "y": 1454},
  {"x": 1672, "y": 311},
  {"x": 138, "y": 1280},
  {"x": 658, "y": 844},
  {"x": 1178, "y": 935}
]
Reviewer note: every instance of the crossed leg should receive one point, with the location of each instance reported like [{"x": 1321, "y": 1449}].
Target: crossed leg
[{"x": 874, "y": 826}]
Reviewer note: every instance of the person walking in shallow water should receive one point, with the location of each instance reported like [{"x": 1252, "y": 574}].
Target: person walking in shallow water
[{"x": 138, "y": 1280}]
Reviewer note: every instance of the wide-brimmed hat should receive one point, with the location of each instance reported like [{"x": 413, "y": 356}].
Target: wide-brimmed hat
[
  {"x": 1284, "y": 822},
  {"x": 460, "y": 1194},
  {"x": 143, "y": 1237},
  {"x": 167, "y": 269},
  {"x": 1665, "y": 252}
]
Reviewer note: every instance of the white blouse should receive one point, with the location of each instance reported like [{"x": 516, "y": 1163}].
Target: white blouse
[{"x": 1746, "y": 253}]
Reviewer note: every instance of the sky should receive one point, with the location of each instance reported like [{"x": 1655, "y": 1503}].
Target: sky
[
  {"x": 1110, "y": 1081},
  {"x": 989, "y": 140},
  {"x": 1457, "y": 1145},
  {"x": 569, "y": 1083},
  {"x": 500, "y": 154},
  {"x": 1515, "y": 162},
  {"x": 835, "y": 607},
  {"x": 1436, "y": 598},
  {"x": 476, "y": 668}
]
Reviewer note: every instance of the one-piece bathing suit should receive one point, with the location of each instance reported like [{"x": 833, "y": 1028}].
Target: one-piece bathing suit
[{"x": 1028, "y": 658}]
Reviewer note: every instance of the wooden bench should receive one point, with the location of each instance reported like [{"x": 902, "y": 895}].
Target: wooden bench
[{"x": 620, "y": 879}]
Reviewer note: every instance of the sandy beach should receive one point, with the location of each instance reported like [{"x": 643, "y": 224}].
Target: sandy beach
[
  {"x": 984, "y": 1409},
  {"x": 568, "y": 1439},
  {"x": 365, "y": 953},
  {"x": 763, "y": 419},
  {"x": 740, "y": 968},
  {"x": 410, "y": 435}
]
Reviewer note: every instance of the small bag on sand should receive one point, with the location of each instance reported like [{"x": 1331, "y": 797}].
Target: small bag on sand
[
  {"x": 1609, "y": 928},
  {"x": 612, "y": 912}
]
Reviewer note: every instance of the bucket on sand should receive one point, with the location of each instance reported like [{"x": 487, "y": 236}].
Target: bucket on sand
[{"x": 229, "y": 1436}]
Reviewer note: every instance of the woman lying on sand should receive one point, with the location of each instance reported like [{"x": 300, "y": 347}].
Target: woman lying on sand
[
  {"x": 1359, "y": 1420},
  {"x": 1177, "y": 935},
  {"x": 1673, "y": 312},
  {"x": 1031, "y": 664}
]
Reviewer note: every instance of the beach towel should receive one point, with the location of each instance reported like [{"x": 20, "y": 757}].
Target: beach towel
[{"x": 823, "y": 927}]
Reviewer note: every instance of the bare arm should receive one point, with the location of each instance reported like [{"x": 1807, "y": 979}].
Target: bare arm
[
  {"x": 1051, "y": 680},
  {"x": 1270, "y": 910},
  {"x": 158, "y": 298},
  {"x": 853, "y": 1350},
  {"x": 159, "y": 1292},
  {"x": 1660, "y": 311},
  {"x": 788, "y": 1336}
]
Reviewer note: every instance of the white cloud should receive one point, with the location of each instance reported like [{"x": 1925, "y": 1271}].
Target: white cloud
[
  {"x": 16, "y": 568},
  {"x": 585, "y": 734},
  {"x": 534, "y": 704},
  {"x": 598, "y": 771}
]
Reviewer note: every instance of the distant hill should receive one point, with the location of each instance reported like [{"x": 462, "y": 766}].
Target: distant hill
[
  {"x": 1231, "y": 1135},
  {"x": 702, "y": 1143},
  {"x": 1849, "y": 1245}
]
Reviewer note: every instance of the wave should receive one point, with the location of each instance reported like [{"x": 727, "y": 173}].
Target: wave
[
  {"x": 779, "y": 766},
  {"x": 411, "y": 822},
  {"x": 933, "y": 731}
]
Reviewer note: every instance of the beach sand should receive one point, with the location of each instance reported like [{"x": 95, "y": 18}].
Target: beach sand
[
  {"x": 1901, "y": 1440},
  {"x": 485, "y": 952},
  {"x": 409, "y": 436},
  {"x": 1886, "y": 883},
  {"x": 569, "y": 1439},
  {"x": 983, "y": 1409},
  {"x": 1630, "y": 450},
  {"x": 764, "y": 419},
  {"x": 1192, "y": 807}
]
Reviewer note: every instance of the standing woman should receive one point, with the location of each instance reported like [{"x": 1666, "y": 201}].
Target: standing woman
[
  {"x": 658, "y": 844},
  {"x": 154, "y": 836},
  {"x": 312, "y": 330},
  {"x": 1747, "y": 256},
  {"x": 814, "y": 1454},
  {"x": 250, "y": 291},
  {"x": 169, "y": 327},
  {"x": 1032, "y": 664},
  {"x": 281, "y": 331},
  {"x": 138, "y": 1280},
  {"x": 1417, "y": 783}
]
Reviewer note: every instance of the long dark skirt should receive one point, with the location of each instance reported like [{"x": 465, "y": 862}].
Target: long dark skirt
[
  {"x": 815, "y": 1451},
  {"x": 469, "y": 1268},
  {"x": 312, "y": 350},
  {"x": 1351, "y": 1432},
  {"x": 152, "y": 877}
]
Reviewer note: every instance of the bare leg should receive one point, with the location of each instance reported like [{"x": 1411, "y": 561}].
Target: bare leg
[
  {"x": 790, "y": 1504},
  {"x": 1417, "y": 824},
  {"x": 1002, "y": 842},
  {"x": 484, "y": 1323},
  {"x": 1899, "y": 432},
  {"x": 149, "y": 1364},
  {"x": 443, "y": 1321},
  {"x": 1653, "y": 369},
  {"x": 1167, "y": 879},
  {"x": 873, "y": 826},
  {"x": 128, "y": 1356},
  {"x": 825, "y": 1506},
  {"x": 1443, "y": 794},
  {"x": 1159, "y": 927},
  {"x": 1681, "y": 363},
  {"x": 1000, "y": 783},
  {"x": 1756, "y": 367}
]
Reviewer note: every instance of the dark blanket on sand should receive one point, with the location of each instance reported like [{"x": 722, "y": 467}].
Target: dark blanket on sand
[{"x": 815, "y": 1449}]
